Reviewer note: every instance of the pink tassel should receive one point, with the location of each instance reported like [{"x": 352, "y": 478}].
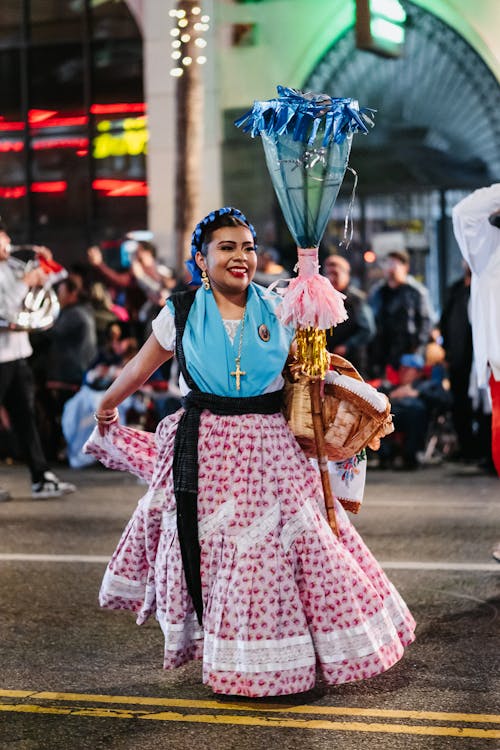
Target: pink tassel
[{"x": 310, "y": 300}]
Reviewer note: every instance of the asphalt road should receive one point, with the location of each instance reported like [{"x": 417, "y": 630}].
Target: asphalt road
[{"x": 74, "y": 677}]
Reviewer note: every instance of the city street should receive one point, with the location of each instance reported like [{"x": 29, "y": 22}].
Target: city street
[{"x": 74, "y": 677}]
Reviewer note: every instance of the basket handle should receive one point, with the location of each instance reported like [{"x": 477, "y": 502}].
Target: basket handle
[{"x": 344, "y": 367}]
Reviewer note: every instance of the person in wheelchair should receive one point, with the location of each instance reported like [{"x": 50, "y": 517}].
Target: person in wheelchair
[{"x": 415, "y": 400}]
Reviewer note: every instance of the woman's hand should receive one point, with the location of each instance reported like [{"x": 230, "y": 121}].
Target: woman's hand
[{"x": 105, "y": 418}]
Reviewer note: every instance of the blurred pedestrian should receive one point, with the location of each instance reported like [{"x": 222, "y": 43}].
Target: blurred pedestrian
[
  {"x": 269, "y": 268},
  {"x": 16, "y": 379},
  {"x": 403, "y": 314},
  {"x": 73, "y": 346},
  {"x": 456, "y": 331},
  {"x": 143, "y": 267},
  {"x": 414, "y": 398},
  {"x": 350, "y": 338},
  {"x": 476, "y": 223}
]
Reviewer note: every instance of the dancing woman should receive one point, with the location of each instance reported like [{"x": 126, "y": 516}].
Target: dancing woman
[{"x": 229, "y": 548}]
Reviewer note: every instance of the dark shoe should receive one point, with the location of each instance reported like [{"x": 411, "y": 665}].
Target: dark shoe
[
  {"x": 50, "y": 486},
  {"x": 4, "y": 495}
]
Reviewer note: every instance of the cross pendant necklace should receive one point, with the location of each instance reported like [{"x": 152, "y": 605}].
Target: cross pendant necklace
[{"x": 238, "y": 372}]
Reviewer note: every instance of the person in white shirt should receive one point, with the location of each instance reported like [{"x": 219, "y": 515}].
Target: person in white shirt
[
  {"x": 16, "y": 380},
  {"x": 476, "y": 223}
]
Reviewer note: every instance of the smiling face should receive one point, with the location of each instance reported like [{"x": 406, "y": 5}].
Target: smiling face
[{"x": 230, "y": 261}]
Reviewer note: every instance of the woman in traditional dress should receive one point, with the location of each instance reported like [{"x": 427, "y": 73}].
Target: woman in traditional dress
[{"x": 229, "y": 548}]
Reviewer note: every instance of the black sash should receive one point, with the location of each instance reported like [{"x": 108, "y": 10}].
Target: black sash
[{"x": 185, "y": 460}]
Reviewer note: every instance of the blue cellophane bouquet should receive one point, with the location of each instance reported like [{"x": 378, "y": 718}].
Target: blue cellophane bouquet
[{"x": 307, "y": 140}]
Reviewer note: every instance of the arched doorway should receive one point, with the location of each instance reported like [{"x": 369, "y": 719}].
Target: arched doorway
[
  {"x": 438, "y": 119},
  {"x": 437, "y": 136}
]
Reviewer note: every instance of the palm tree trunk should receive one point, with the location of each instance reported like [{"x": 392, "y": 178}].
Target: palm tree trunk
[{"x": 189, "y": 125}]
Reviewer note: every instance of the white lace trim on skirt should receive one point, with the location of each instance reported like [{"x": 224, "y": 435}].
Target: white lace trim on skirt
[{"x": 258, "y": 656}]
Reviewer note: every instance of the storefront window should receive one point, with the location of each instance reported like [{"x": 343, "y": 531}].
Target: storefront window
[
  {"x": 12, "y": 145},
  {"x": 53, "y": 21},
  {"x": 73, "y": 130},
  {"x": 10, "y": 24}
]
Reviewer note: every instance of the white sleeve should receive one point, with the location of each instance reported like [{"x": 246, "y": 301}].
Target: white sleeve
[
  {"x": 164, "y": 328},
  {"x": 476, "y": 237}
]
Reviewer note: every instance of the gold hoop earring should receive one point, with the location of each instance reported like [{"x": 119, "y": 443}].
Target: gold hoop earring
[{"x": 205, "y": 280}]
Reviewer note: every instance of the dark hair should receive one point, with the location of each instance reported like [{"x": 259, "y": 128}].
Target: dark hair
[
  {"x": 74, "y": 283},
  {"x": 148, "y": 246},
  {"x": 494, "y": 219},
  {"x": 3, "y": 226},
  {"x": 401, "y": 255}
]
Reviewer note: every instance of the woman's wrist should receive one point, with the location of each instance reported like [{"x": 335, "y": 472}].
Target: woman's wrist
[{"x": 106, "y": 416}]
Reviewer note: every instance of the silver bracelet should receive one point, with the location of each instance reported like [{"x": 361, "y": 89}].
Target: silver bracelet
[{"x": 106, "y": 419}]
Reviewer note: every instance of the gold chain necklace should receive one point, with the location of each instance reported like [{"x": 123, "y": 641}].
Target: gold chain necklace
[{"x": 237, "y": 372}]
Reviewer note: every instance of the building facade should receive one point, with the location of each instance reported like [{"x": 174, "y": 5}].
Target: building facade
[{"x": 101, "y": 172}]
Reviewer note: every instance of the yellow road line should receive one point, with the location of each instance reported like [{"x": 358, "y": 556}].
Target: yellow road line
[
  {"x": 256, "y": 707},
  {"x": 257, "y": 721}
]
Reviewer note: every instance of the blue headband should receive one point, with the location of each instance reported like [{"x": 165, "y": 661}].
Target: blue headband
[{"x": 199, "y": 232}]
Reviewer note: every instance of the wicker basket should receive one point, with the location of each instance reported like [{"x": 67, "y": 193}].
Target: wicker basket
[{"x": 350, "y": 423}]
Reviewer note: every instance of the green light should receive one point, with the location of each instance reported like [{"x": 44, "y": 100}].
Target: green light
[
  {"x": 382, "y": 29},
  {"x": 392, "y": 10}
]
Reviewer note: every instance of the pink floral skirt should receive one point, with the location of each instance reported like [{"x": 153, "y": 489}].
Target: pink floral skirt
[{"x": 282, "y": 594}]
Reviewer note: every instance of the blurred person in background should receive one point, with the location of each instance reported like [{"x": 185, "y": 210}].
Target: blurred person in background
[
  {"x": 350, "y": 338},
  {"x": 403, "y": 314},
  {"x": 414, "y": 398},
  {"x": 476, "y": 223},
  {"x": 269, "y": 268},
  {"x": 73, "y": 337},
  {"x": 456, "y": 331},
  {"x": 16, "y": 379},
  {"x": 72, "y": 348},
  {"x": 104, "y": 310},
  {"x": 142, "y": 266}
]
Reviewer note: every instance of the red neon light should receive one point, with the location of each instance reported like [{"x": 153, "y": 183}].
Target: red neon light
[
  {"x": 59, "y": 186},
  {"x": 109, "y": 109},
  {"x": 39, "y": 115},
  {"x": 112, "y": 188},
  {"x": 13, "y": 192},
  {"x": 44, "y": 118},
  {"x": 6, "y": 146},
  {"x": 6, "y": 125},
  {"x": 41, "y": 144},
  {"x": 60, "y": 122},
  {"x": 119, "y": 188}
]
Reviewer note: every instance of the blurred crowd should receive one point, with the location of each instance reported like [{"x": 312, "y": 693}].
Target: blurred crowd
[
  {"x": 104, "y": 317},
  {"x": 392, "y": 336}
]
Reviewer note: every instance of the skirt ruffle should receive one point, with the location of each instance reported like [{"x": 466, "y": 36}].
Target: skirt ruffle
[{"x": 282, "y": 595}]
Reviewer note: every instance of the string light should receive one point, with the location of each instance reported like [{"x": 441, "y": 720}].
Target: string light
[{"x": 189, "y": 29}]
